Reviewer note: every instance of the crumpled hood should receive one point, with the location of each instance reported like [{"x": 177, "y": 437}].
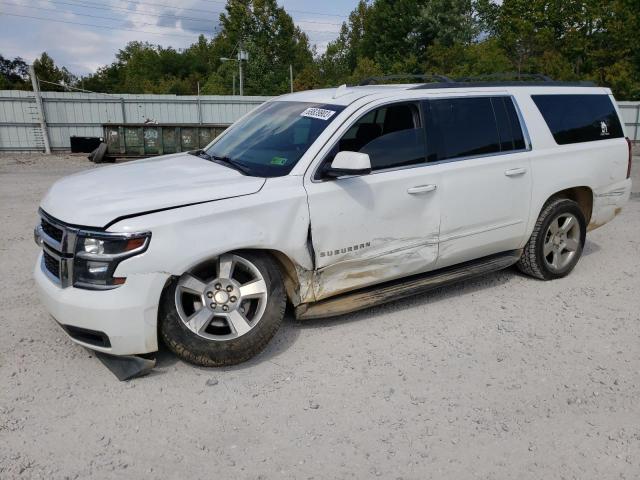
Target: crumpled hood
[{"x": 98, "y": 196}]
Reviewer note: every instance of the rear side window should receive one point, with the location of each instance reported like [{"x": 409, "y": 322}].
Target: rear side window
[
  {"x": 579, "y": 118},
  {"x": 466, "y": 127}
]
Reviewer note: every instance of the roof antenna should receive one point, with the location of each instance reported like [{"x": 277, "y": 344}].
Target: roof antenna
[{"x": 340, "y": 91}]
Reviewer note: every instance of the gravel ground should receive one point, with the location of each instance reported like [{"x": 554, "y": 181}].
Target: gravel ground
[{"x": 501, "y": 377}]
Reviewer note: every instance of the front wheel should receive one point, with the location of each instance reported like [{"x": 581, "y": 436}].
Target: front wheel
[
  {"x": 557, "y": 241},
  {"x": 225, "y": 311}
]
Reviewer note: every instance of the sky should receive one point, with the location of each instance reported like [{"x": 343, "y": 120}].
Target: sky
[{"x": 83, "y": 35}]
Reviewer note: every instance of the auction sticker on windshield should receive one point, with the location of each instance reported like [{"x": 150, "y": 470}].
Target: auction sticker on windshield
[{"x": 319, "y": 113}]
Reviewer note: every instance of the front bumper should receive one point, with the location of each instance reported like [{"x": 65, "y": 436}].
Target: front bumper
[{"x": 127, "y": 315}]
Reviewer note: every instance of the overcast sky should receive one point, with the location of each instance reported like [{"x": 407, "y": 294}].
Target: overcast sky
[{"x": 85, "y": 34}]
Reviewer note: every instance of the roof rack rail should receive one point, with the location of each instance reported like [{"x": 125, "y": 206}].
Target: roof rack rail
[
  {"x": 507, "y": 79},
  {"x": 425, "y": 77},
  {"x": 506, "y": 76}
]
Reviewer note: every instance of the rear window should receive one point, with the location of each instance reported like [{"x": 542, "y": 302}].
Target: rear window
[
  {"x": 579, "y": 118},
  {"x": 466, "y": 127}
]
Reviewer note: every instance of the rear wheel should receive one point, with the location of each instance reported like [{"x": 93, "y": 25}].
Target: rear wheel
[
  {"x": 557, "y": 241},
  {"x": 223, "y": 312}
]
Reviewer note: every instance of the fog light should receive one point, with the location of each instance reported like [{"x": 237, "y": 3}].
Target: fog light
[{"x": 97, "y": 268}]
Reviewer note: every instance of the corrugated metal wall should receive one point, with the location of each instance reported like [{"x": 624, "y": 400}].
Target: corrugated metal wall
[
  {"x": 630, "y": 112},
  {"x": 82, "y": 114}
]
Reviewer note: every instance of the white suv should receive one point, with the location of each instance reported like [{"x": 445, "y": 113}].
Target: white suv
[{"x": 330, "y": 201}]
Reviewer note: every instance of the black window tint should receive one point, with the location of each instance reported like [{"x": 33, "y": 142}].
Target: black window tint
[
  {"x": 403, "y": 147},
  {"x": 504, "y": 124},
  {"x": 516, "y": 128},
  {"x": 579, "y": 118},
  {"x": 461, "y": 127},
  {"x": 392, "y": 136},
  {"x": 509, "y": 128}
]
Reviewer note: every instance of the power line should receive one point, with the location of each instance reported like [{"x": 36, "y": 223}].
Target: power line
[
  {"x": 140, "y": 23},
  {"x": 131, "y": 12},
  {"x": 100, "y": 6},
  {"x": 90, "y": 16},
  {"x": 141, "y": 2},
  {"x": 98, "y": 26},
  {"x": 196, "y": 33}
]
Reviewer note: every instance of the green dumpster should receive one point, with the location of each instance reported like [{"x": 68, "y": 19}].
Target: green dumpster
[{"x": 147, "y": 140}]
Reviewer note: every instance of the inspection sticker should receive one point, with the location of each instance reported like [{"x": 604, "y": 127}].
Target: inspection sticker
[
  {"x": 319, "y": 113},
  {"x": 278, "y": 161}
]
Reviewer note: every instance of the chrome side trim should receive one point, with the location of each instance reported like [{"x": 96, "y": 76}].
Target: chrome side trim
[{"x": 367, "y": 109}]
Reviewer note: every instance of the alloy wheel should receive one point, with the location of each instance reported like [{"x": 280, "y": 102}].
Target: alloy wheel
[
  {"x": 222, "y": 300},
  {"x": 561, "y": 242}
]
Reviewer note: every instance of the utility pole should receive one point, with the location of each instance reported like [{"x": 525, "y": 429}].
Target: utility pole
[
  {"x": 199, "y": 106},
  {"x": 241, "y": 78},
  {"x": 43, "y": 122},
  {"x": 291, "y": 76},
  {"x": 242, "y": 56}
]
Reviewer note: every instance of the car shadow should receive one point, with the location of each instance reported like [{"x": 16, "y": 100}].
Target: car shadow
[
  {"x": 590, "y": 247},
  {"x": 291, "y": 328}
]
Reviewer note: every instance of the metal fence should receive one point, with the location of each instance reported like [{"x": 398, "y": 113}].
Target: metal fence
[
  {"x": 630, "y": 112},
  {"x": 83, "y": 114}
]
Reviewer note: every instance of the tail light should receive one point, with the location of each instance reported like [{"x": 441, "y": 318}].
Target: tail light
[{"x": 630, "y": 155}]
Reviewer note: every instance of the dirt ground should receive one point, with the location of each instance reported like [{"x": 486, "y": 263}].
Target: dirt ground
[{"x": 502, "y": 377}]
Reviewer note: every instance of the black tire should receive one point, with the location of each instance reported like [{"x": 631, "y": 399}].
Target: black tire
[
  {"x": 97, "y": 156},
  {"x": 532, "y": 261},
  {"x": 211, "y": 353}
]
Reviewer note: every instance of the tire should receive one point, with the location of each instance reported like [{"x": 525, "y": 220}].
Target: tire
[
  {"x": 563, "y": 250},
  {"x": 219, "y": 343},
  {"x": 97, "y": 156}
]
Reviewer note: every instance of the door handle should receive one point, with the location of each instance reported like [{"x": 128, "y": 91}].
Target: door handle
[
  {"x": 514, "y": 172},
  {"x": 421, "y": 189}
]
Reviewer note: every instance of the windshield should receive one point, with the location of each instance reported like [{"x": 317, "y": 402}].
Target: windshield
[{"x": 271, "y": 140}]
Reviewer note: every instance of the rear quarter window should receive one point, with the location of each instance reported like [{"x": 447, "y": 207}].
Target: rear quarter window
[{"x": 579, "y": 118}]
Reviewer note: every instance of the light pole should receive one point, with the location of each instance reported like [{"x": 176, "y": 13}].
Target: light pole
[{"x": 242, "y": 56}]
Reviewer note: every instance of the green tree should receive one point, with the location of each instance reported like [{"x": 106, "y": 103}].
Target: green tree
[
  {"x": 273, "y": 42},
  {"x": 341, "y": 56},
  {"x": 14, "y": 74},
  {"x": 48, "y": 71}
]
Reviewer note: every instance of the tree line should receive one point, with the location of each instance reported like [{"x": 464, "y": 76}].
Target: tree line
[{"x": 564, "y": 39}]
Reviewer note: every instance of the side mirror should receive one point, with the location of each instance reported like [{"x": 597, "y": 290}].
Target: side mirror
[{"x": 349, "y": 163}]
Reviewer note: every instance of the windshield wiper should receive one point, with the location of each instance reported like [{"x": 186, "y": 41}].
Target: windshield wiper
[
  {"x": 201, "y": 154},
  {"x": 230, "y": 162}
]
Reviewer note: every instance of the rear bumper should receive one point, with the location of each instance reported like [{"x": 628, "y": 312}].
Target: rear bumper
[
  {"x": 608, "y": 202},
  {"x": 122, "y": 321}
]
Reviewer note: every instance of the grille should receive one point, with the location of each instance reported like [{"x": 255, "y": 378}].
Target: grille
[
  {"x": 51, "y": 264},
  {"x": 52, "y": 231}
]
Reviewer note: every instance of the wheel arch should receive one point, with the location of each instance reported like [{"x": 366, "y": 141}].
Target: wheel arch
[
  {"x": 297, "y": 279},
  {"x": 582, "y": 195}
]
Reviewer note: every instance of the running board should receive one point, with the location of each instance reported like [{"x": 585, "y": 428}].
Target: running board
[{"x": 404, "y": 287}]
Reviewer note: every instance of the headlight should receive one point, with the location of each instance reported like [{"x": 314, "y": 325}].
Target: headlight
[{"x": 98, "y": 254}]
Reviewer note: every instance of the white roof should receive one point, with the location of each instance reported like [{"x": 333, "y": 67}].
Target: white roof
[
  {"x": 342, "y": 95},
  {"x": 345, "y": 95}
]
